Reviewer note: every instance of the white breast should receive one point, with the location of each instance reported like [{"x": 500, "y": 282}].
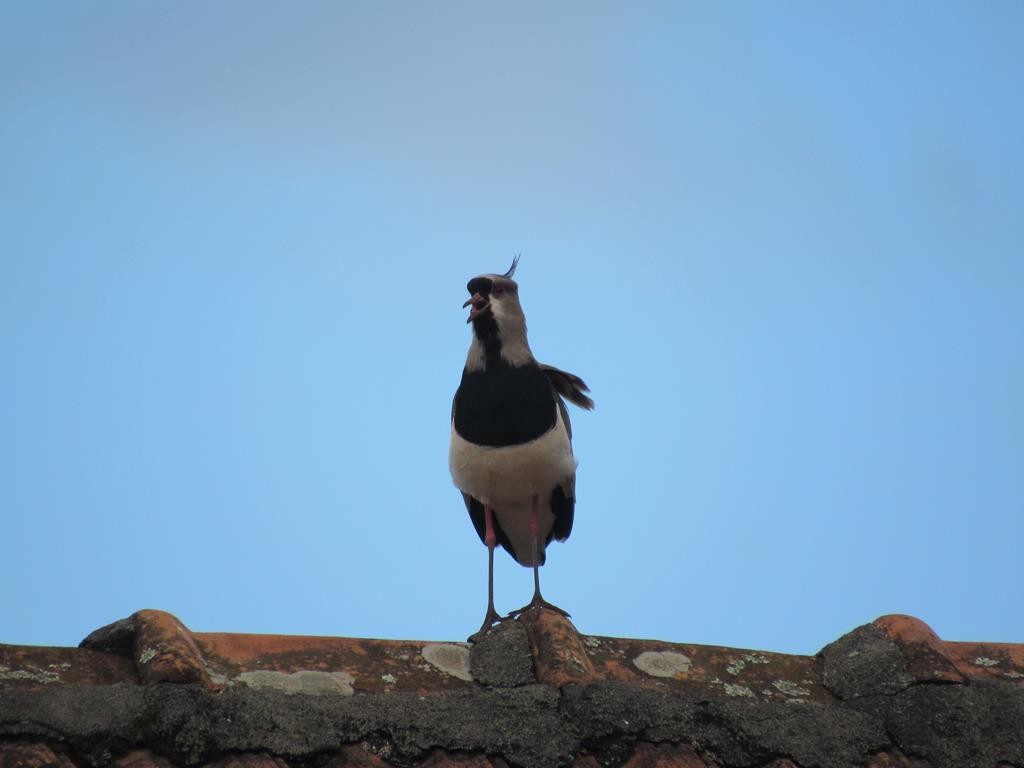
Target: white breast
[{"x": 512, "y": 473}]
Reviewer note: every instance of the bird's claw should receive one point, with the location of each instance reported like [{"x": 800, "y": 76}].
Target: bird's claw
[
  {"x": 537, "y": 602},
  {"x": 490, "y": 620}
]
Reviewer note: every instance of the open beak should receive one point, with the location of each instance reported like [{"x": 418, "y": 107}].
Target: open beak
[{"x": 480, "y": 305}]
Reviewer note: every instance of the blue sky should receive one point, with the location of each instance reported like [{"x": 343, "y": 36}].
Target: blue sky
[{"x": 782, "y": 243}]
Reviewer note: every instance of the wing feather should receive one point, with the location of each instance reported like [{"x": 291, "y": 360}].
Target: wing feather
[
  {"x": 568, "y": 385},
  {"x": 563, "y": 496}
]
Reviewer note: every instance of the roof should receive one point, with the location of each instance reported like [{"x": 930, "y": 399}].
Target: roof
[{"x": 146, "y": 691}]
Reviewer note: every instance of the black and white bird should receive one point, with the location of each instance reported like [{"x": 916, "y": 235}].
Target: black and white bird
[{"x": 511, "y": 441}]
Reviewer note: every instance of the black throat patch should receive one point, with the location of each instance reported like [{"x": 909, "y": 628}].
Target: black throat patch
[{"x": 485, "y": 328}]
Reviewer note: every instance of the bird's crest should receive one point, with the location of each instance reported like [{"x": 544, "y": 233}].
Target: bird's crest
[{"x": 512, "y": 269}]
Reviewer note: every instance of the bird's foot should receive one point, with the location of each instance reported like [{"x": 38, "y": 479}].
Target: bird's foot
[
  {"x": 537, "y": 602},
  {"x": 490, "y": 620}
]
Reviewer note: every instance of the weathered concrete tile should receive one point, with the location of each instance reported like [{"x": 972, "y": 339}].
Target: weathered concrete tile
[{"x": 502, "y": 656}]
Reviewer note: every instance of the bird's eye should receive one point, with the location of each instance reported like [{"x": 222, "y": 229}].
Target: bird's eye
[{"x": 498, "y": 290}]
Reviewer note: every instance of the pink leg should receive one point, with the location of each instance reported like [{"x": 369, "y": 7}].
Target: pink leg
[
  {"x": 490, "y": 540},
  {"x": 538, "y": 600}
]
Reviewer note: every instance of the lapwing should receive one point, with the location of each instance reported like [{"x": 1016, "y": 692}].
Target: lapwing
[{"x": 511, "y": 441}]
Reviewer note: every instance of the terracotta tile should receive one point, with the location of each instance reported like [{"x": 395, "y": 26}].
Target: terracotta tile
[
  {"x": 896, "y": 759},
  {"x": 926, "y": 655},
  {"x": 359, "y": 665},
  {"x": 664, "y": 756},
  {"x": 23, "y": 754},
  {"x": 559, "y": 655},
  {"x": 143, "y": 758},
  {"x": 165, "y": 651},
  {"x": 33, "y": 667},
  {"x": 992, "y": 661},
  {"x": 249, "y": 760},
  {"x": 439, "y": 758},
  {"x": 356, "y": 756}
]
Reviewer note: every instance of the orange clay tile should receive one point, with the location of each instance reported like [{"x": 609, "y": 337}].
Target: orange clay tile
[
  {"x": 165, "y": 651},
  {"x": 665, "y": 756},
  {"x": 927, "y": 656},
  {"x": 630, "y": 702},
  {"x": 558, "y": 653},
  {"x": 31, "y": 667},
  {"x": 142, "y": 758},
  {"x": 21, "y": 754},
  {"x": 991, "y": 661}
]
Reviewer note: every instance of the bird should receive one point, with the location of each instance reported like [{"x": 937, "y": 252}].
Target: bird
[{"x": 510, "y": 451}]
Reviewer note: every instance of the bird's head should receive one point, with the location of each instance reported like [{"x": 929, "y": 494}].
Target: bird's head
[
  {"x": 499, "y": 326},
  {"x": 495, "y": 302}
]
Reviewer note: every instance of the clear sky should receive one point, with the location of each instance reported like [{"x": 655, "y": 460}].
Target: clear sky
[{"x": 782, "y": 242}]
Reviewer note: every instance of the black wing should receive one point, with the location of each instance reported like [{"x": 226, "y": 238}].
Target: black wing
[{"x": 563, "y": 497}]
